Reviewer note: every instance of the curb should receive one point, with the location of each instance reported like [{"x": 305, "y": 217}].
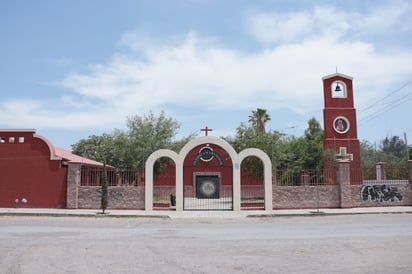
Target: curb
[
  {"x": 96, "y": 215},
  {"x": 322, "y": 214},
  {"x": 166, "y": 216}
]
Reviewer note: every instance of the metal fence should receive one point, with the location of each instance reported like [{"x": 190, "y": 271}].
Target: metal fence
[
  {"x": 327, "y": 176},
  {"x": 164, "y": 197},
  {"x": 252, "y": 189},
  {"x": 385, "y": 174},
  {"x": 252, "y": 197},
  {"x": 92, "y": 176},
  {"x": 224, "y": 201},
  {"x": 304, "y": 177}
]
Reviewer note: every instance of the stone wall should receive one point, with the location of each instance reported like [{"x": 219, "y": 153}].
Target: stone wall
[
  {"x": 298, "y": 197},
  {"x": 289, "y": 197},
  {"x": 73, "y": 181},
  {"x": 119, "y": 197},
  {"x": 381, "y": 195}
]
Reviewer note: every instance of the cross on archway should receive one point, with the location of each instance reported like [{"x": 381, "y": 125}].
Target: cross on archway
[{"x": 206, "y": 130}]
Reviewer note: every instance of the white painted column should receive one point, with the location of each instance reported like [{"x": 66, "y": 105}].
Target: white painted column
[
  {"x": 268, "y": 186},
  {"x": 179, "y": 184},
  {"x": 236, "y": 184},
  {"x": 148, "y": 191}
]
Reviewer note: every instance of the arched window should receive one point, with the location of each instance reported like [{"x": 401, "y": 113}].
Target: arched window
[{"x": 339, "y": 89}]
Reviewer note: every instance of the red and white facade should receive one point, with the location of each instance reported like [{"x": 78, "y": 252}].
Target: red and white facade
[
  {"x": 34, "y": 173},
  {"x": 340, "y": 126}
]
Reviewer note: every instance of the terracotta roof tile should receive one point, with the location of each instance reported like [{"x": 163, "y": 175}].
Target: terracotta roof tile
[{"x": 75, "y": 159}]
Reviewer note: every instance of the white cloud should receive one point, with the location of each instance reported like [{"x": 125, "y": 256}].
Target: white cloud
[
  {"x": 277, "y": 27},
  {"x": 295, "y": 27},
  {"x": 391, "y": 16},
  {"x": 273, "y": 27},
  {"x": 194, "y": 71}
]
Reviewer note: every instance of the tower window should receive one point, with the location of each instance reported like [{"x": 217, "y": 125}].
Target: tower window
[{"x": 338, "y": 90}]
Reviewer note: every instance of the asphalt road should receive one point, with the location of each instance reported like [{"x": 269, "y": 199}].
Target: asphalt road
[{"x": 378, "y": 243}]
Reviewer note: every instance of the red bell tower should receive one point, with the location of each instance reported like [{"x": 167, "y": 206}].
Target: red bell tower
[{"x": 339, "y": 118}]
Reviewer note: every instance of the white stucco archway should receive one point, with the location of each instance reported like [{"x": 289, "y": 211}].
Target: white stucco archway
[
  {"x": 267, "y": 171},
  {"x": 236, "y": 161},
  {"x": 149, "y": 173}
]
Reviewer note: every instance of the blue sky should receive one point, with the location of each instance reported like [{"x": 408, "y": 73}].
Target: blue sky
[{"x": 75, "y": 68}]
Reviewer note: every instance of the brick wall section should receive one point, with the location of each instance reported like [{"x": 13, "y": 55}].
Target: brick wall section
[
  {"x": 290, "y": 197},
  {"x": 73, "y": 182},
  {"x": 120, "y": 197}
]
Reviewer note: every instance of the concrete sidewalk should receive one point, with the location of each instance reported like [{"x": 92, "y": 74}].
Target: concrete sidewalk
[{"x": 201, "y": 214}]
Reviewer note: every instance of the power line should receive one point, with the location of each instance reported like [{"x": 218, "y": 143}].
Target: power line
[
  {"x": 389, "y": 95},
  {"x": 388, "y": 106}
]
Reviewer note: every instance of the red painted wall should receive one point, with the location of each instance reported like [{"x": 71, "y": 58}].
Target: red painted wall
[
  {"x": 212, "y": 166},
  {"x": 335, "y": 107},
  {"x": 26, "y": 171},
  {"x": 167, "y": 177}
]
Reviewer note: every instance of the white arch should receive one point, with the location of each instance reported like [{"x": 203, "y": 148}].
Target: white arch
[
  {"x": 208, "y": 140},
  {"x": 179, "y": 162},
  {"x": 233, "y": 156},
  {"x": 267, "y": 171},
  {"x": 149, "y": 173}
]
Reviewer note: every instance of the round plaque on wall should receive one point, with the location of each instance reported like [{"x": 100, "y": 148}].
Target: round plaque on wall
[
  {"x": 341, "y": 124},
  {"x": 208, "y": 188},
  {"x": 206, "y": 154}
]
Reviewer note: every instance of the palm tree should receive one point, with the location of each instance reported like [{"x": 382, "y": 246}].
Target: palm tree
[{"x": 259, "y": 118}]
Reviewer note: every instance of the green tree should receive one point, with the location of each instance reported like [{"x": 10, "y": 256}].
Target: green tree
[
  {"x": 290, "y": 153},
  {"x": 314, "y": 154},
  {"x": 392, "y": 151},
  {"x": 304, "y": 152},
  {"x": 179, "y": 144},
  {"x": 287, "y": 152},
  {"x": 149, "y": 133},
  {"x": 394, "y": 146},
  {"x": 369, "y": 155},
  {"x": 396, "y": 162},
  {"x": 248, "y": 137},
  {"x": 95, "y": 147},
  {"x": 130, "y": 148},
  {"x": 258, "y": 119},
  {"x": 314, "y": 130}
]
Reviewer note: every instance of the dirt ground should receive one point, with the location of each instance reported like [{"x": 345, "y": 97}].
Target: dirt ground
[{"x": 376, "y": 243}]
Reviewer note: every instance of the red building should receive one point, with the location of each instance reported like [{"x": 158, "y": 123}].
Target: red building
[
  {"x": 33, "y": 173},
  {"x": 339, "y": 117}
]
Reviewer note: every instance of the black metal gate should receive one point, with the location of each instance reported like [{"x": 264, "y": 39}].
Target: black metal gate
[{"x": 208, "y": 188}]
